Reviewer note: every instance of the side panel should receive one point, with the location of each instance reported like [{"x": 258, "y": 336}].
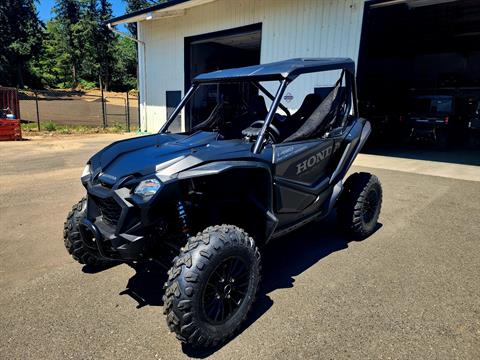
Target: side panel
[{"x": 300, "y": 173}]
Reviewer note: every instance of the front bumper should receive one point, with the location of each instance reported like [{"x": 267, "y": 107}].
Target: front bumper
[
  {"x": 113, "y": 225},
  {"x": 121, "y": 225},
  {"x": 102, "y": 238}
]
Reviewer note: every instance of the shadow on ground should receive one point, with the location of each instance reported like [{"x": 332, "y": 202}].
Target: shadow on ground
[
  {"x": 425, "y": 151},
  {"x": 282, "y": 260}
]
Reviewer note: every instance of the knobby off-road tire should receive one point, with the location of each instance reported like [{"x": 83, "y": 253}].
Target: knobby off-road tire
[
  {"x": 442, "y": 139},
  {"x": 73, "y": 241},
  {"x": 473, "y": 139},
  {"x": 195, "y": 287},
  {"x": 359, "y": 205}
]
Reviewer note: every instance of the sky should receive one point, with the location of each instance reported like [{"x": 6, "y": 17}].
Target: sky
[{"x": 44, "y": 8}]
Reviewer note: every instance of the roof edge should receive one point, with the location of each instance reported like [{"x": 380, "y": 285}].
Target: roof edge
[{"x": 161, "y": 6}]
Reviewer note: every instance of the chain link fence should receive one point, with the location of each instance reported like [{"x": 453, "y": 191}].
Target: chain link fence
[{"x": 73, "y": 108}]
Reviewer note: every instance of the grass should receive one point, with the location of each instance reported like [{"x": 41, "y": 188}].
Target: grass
[{"x": 53, "y": 128}]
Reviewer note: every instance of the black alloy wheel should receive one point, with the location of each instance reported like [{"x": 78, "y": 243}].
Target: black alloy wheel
[{"x": 225, "y": 290}]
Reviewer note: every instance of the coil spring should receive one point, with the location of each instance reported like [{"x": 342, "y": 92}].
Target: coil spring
[{"x": 182, "y": 216}]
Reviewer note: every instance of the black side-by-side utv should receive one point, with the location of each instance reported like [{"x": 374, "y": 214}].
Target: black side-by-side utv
[{"x": 211, "y": 197}]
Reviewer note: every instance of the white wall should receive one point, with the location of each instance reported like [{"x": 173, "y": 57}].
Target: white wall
[{"x": 290, "y": 28}]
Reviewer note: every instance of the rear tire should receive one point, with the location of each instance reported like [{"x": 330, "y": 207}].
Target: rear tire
[
  {"x": 473, "y": 139},
  {"x": 212, "y": 286},
  {"x": 359, "y": 205},
  {"x": 442, "y": 139},
  {"x": 73, "y": 241}
]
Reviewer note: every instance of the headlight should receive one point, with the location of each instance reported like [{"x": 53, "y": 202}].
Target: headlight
[
  {"x": 147, "y": 188},
  {"x": 87, "y": 171}
]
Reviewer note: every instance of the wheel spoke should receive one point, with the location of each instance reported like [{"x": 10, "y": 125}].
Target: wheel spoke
[
  {"x": 212, "y": 306},
  {"x": 223, "y": 311},
  {"x": 230, "y": 307},
  {"x": 233, "y": 267},
  {"x": 243, "y": 284},
  {"x": 242, "y": 275},
  {"x": 219, "y": 310},
  {"x": 237, "y": 291}
]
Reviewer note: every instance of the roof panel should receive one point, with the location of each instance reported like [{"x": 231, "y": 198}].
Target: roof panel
[{"x": 287, "y": 69}]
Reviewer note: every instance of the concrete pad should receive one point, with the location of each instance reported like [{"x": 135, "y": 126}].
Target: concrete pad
[{"x": 423, "y": 167}]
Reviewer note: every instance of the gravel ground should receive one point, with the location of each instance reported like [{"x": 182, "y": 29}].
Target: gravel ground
[{"x": 410, "y": 291}]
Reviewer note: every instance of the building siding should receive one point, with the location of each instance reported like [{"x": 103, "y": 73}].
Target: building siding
[{"x": 303, "y": 28}]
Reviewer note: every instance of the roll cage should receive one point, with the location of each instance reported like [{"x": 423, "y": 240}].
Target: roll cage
[{"x": 283, "y": 71}]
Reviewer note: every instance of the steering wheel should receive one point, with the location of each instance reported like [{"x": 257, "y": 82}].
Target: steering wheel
[{"x": 272, "y": 132}]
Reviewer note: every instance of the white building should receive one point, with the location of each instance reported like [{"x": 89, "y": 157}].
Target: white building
[{"x": 181, "y": 38}]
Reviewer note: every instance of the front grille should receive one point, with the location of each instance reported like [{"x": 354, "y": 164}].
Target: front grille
[{"x": 109, "y": 208}]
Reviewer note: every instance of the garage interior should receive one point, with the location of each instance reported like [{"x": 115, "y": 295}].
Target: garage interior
[
  {"x": 220, "y": 50},
  {"x": 411, "y": 45}
]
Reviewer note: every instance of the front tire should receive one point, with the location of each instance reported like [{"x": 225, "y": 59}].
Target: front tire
[
  {"x": 73, "y": 241},
  {"x": 359, "y": 205},
  {"x": 212, "y": 285}
]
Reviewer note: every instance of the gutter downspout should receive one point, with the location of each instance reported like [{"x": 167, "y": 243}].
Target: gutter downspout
[{"x": 141, "y": 79}]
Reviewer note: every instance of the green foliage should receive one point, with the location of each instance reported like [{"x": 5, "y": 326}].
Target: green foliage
[
  {"x": 53, "y": 64},
  {"x": 124, "y": 77},
  {"x": 74, "y": 49},
  {"x": 50, "y": 126},
  {"x": 20, "y": 38},
  {"x": 87, "y": 85},
  {"x": 31, "y": 128}
]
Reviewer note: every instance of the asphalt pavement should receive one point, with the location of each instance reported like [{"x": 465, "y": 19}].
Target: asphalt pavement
[{"x": 410, "y": 291}]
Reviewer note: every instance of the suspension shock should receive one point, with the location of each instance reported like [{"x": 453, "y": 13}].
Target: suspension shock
[{"x": 182, "y": 216}]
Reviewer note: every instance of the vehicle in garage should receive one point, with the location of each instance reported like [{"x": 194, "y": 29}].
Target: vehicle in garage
[
  {"x": 432, "y": 117},
  {"x": 243, "y": 176}
]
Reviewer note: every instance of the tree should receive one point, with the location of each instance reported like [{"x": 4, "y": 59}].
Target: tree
[
  {"x": 106, "y": 41},
  {"x": 67, "y": 17},
  {"x": 52, "y": 65},
  {"x": 86, "y": 39},
  {"x": 75, "y": 48},
  {"x": 21, "y": 37},
  {"x": 124, "y": 75}
]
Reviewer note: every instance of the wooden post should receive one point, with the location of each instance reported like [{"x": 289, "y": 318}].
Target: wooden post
[
  {"x": 128, "y": 113},
  {"x": 38, "y": 113},
  {"x": 103, "y": 106}
]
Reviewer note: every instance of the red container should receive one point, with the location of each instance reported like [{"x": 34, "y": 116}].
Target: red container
[
  {"x": 10, "y": 130},
  {"x": 9, "y": 100},
  {"x": 9, "y": 104}
]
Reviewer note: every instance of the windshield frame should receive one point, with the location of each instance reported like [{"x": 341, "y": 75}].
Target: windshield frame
[
  {"x": 276, "y": 102},
  {"x": 350, "y": 83}
]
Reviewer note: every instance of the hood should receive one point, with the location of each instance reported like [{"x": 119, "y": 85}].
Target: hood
[{"x": 164, "y": 153}]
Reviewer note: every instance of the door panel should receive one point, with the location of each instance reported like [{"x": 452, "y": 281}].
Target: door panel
[
  {"x": 300, "y": 171},
  {"x": 303, "y": 162}
]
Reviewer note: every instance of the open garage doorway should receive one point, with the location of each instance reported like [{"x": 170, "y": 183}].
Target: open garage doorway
[
  {"x": 415, "y": 53},
  {"x": 220, "y": 50}
]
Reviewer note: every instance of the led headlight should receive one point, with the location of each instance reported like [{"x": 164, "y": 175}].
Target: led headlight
[
  {"x": 87, "y": 171},
  {"x": 147, "y": 188}
]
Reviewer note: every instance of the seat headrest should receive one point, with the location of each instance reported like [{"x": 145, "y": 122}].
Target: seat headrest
[
  {"x": 309, "y": 104},
  {"x": 258, "y": 106}
]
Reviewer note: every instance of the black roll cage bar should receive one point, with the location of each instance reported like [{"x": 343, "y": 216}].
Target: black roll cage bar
[{"x": 351, "y": 87}]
